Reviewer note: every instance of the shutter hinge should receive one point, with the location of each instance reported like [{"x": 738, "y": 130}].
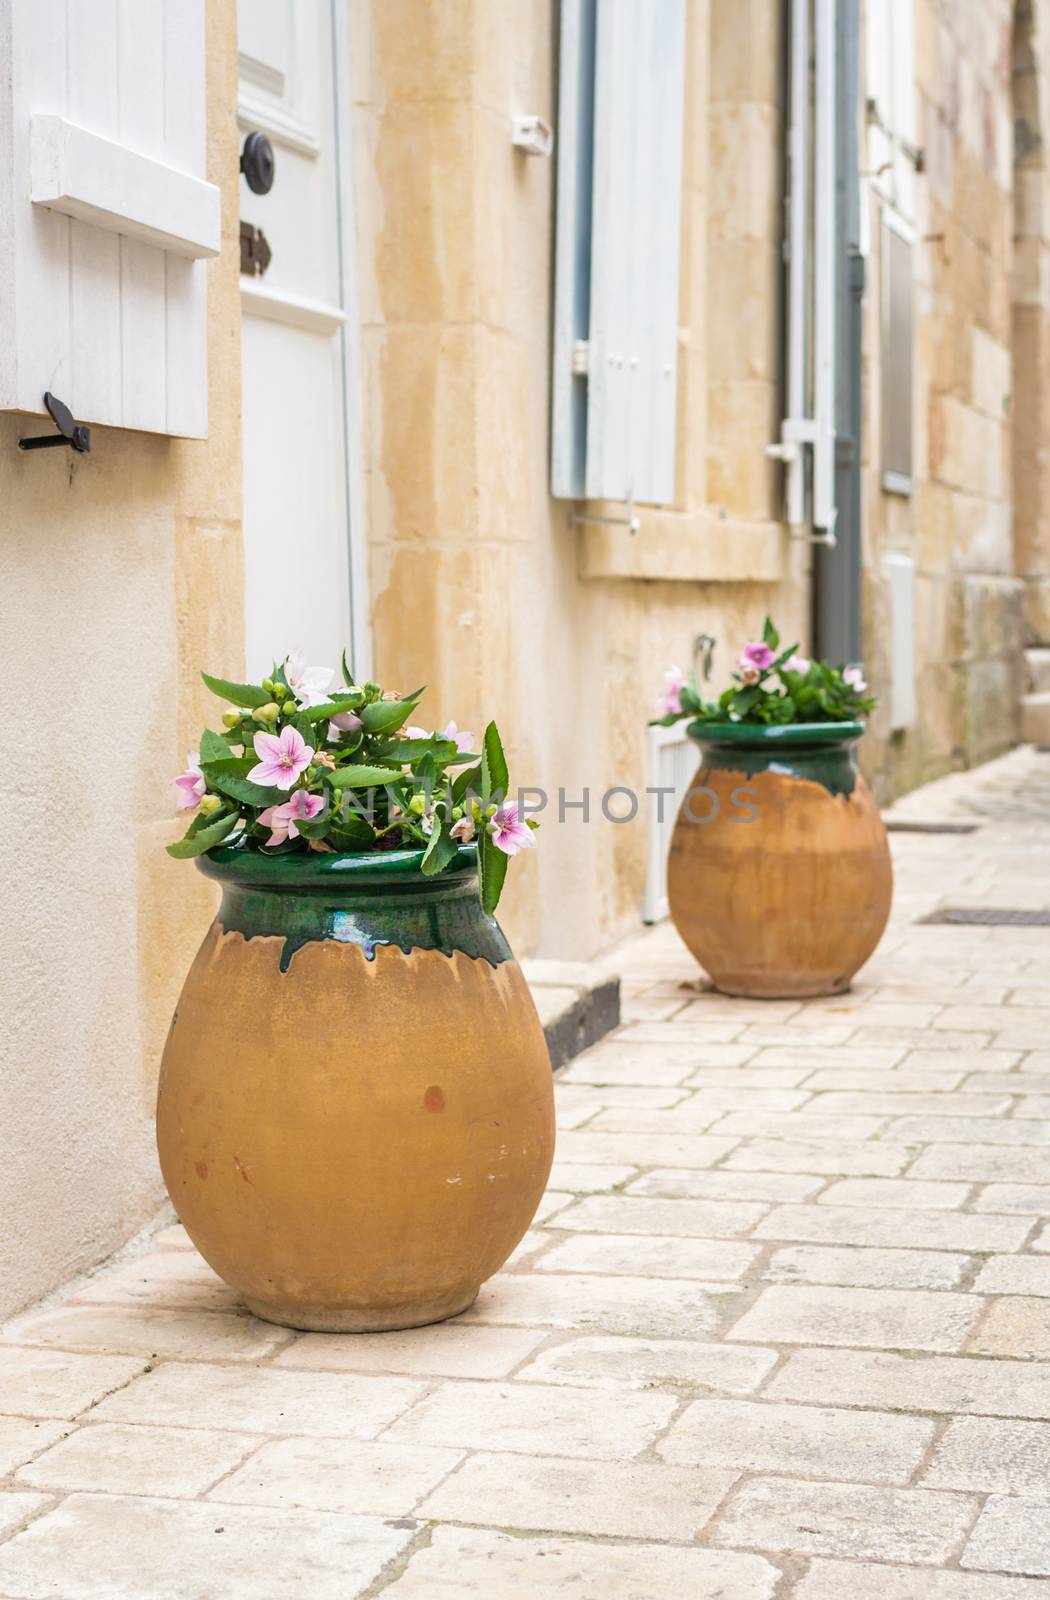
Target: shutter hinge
[
  {"x": 255, "y": 251},
  {"x": 581, "y": 358}
]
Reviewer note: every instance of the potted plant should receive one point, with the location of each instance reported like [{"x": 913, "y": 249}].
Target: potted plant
[
  {"x": 779, "y": 877},
  {"x": 355, "y": 1113}
]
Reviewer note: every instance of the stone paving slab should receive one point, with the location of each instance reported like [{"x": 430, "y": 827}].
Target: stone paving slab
[{"x": 780, "y": 1329}]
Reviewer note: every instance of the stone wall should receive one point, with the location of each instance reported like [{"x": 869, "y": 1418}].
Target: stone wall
[
  {"x": 977, "y": 524},
  {"x": 121, "y": 574},
  {"x": 480, "y": 585}
]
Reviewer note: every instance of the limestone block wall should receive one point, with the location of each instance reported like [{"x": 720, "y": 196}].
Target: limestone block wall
[
  {"x": 480, "y": 586},
  {"x": 976, "y": 524},
  {"x": 121, "y": 575}
]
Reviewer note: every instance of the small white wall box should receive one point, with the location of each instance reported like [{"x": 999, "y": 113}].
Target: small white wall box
[
  {"x": 672, "y": 767},
  {"x": 900, "y": 583},
  {"x": 533, "y": 136},
  {"x": 106, "y": 217}
]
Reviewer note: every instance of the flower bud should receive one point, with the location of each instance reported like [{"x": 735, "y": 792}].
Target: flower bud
[
  {"x": 268, "y": 713},
  {"x": 311, "y": 774},
  {"x": 267, "y": 684},
  {"x": 417, "y": 805},
  {"x": 209, "y": 803},
  {"x": 279, "y": 691},
  {"x": 231, "y": 718},
  {"x": 457, "y": 812}
]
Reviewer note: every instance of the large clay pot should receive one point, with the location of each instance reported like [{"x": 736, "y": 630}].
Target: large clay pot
[
  {"x": 355, "y": 1116},
  {"x": 779, "y": 878}
]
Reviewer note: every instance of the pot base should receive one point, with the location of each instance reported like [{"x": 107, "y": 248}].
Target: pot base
[
  {"x": 740, "y": 989},
  {"x": 363, "y": 1319}
]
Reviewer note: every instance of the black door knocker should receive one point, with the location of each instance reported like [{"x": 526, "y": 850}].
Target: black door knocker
[{"x": 257, "y": 163}]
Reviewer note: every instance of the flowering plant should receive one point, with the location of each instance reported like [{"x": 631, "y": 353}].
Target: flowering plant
[
  {"x": 302, "y": 766},
  {"x": 770, "y": 685}
]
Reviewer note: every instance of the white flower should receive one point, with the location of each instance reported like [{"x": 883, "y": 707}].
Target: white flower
[
  {"x": 308, "y": 684},
  {"x": 855, "y": 678}
]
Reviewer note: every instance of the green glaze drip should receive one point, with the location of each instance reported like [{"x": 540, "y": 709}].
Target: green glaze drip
[
  {"x": 822, "y": 752},
  {"x": 367, "y": 900}
]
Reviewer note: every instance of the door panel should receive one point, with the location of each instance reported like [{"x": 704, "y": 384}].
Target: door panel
[{"x": 293, "y": 331}]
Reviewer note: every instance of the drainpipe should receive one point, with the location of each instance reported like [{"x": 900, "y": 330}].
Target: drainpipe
[
  {"x": 837, "y": 569},
  {"x": 807, "y": 433}
]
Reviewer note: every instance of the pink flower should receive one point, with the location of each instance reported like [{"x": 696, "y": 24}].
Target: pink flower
[
  {"x": 749, "y": 675},
  {"x": 308, "y": 684},
  {"x": 756, "y": 655},
  {"x": 670, "y": 702},
  {"x": 855, "y": 678},
  {"x": 464, "y": 741},
  {"x": 509, "y": 833},
  {"x": 463, "y": 830},
  {"x": 189, "y": 785},
  {"x": 345, "y": 722},
  {"x": 281, "y": 820},
  {"x": 281, "y": 758},
  {"x": 799, "y": 664}
]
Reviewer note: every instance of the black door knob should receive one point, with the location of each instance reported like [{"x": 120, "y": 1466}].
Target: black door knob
[{"x": 257, "y": 163}]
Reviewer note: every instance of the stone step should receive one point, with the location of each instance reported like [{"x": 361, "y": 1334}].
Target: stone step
[
  {"x": 578, "y": 1003},
  {"x": 1035, "y": 718}
]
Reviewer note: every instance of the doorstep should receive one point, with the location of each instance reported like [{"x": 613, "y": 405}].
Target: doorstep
[{"x": 578, "y": 1003}]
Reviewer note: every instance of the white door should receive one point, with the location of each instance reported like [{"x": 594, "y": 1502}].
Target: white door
[{"x": 295, "y": 344}]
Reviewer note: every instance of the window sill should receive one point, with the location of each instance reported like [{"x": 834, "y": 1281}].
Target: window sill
[{"x": 683, "y": 547}]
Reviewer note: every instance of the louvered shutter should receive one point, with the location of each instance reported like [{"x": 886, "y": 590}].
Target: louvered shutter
[
  {"x": 619, "y": 221},
  {"x": 105, "y": 215}
]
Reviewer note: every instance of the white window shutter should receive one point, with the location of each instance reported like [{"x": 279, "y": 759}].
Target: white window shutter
[
  {"x": 107, "y": 219},
  {"x": 619, "y": 226},
  {"x": 892, "y": 101}
]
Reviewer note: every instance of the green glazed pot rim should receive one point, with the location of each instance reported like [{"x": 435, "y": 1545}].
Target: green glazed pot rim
[
  {"x": 758, "y": 736},
  {"x": 315, "y": 870}
]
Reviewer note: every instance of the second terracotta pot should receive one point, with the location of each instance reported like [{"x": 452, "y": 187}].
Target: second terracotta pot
[{"x": 779, "y": 877}]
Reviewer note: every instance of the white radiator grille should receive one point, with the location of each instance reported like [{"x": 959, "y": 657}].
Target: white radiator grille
[{"x": 672, "y": 765}]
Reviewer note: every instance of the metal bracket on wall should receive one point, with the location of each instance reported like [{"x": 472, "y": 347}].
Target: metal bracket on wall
[
  {"x": 69, "y": 432},
  {"x": 632, "y": 521}
]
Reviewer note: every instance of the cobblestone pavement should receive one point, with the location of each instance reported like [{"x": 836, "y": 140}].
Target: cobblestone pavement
[{"x": 782, "y": 1326}]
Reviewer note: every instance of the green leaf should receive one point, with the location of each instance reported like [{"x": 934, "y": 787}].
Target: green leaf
[
  {"x": 315, "y": 827},
  {"x": 492, "y": 869},
  {"x": 358, "y": 777},
  {"x": 351, "y": 832},
  {"x": 465, "y": 781},
  {"x": 303, "y": 727},
  {"x": 238, "y": 694},
  {"x": 384, "y": 716},
  {"x": 214, "y": 748},
  {"x": 770, "y": 635},
  {"x": 785, "y": 655},
  {"x": 228, "y": 777},
  {"x": 440, "y": 850},
  {"x": 195, "y": 844},
  {"x": 494, "y": 775},
  {"x": 348, "y": 673},
  {"x": 404, "y": 751},
  {"x": 332, "y": 708}
]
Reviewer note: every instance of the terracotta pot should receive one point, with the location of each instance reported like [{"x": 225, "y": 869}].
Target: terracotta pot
[
  {"x": 355, "y": 1116},
  {"x": 779, "y": 877}
]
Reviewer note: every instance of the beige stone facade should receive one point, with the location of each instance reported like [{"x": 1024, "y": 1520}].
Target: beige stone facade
[{"x": 123, "y": 580}]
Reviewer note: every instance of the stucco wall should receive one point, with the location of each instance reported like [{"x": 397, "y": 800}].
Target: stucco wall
[
  {"x": 121, "y": 575},
  {"x": 477, "y": 577}
]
